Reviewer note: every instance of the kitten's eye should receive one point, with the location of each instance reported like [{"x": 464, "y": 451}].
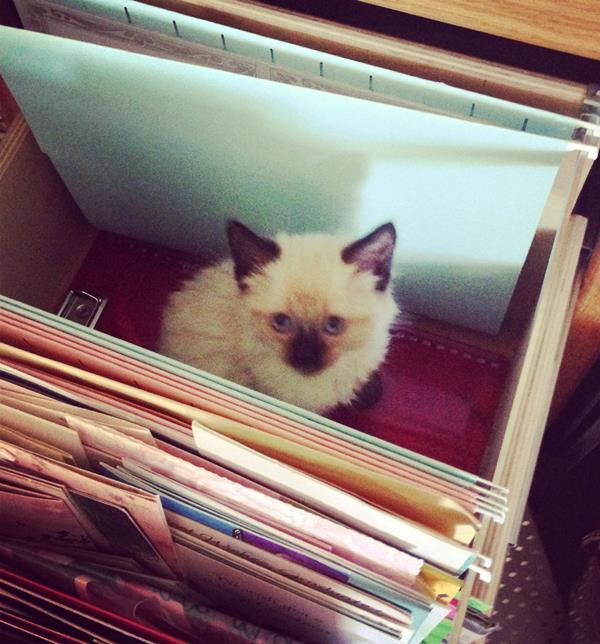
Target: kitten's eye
[
  {"x": 281, "y": 322},
  {"x": 333, "y": 325}
]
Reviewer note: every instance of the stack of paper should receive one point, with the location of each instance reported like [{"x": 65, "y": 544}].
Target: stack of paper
[{"x": 182, "y": 507}]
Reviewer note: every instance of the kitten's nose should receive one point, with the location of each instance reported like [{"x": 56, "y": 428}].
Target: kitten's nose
[{"x": 306, "y": 351}]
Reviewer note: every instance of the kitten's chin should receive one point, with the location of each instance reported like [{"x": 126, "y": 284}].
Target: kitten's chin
[
  {"x": 368, "y": 393},
  {"x": 320, "y": 390},
  {"x": 309, "y": 372}
]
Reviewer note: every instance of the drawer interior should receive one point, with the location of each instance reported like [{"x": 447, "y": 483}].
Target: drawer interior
[{"x": 48, "y": 247}]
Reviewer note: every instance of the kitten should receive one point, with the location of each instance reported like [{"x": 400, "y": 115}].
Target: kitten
[{"x": 303, "y": 318}]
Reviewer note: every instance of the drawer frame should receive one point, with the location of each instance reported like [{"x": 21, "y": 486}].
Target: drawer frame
[{"x": 35, "y": 191}]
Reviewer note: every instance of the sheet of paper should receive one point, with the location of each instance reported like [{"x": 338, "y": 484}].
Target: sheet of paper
[
  {"x": 125, "y": 369},
  {"x": 35, "y": 445},
  {"x": 217, "y": 512},
  {"x": 289, "y": 158},
  {"x": 184, "y": 506},
  {"x": 213, "y": 467},
  {"x": 153, "y": 380},
  {"x": 86, "y": 611},
  {"x": 29, "y": 481},
  {"x": 369, "y": 607},
  {"x": 405, "y": 599},
  {"x": 239, "y": 590},
  {"x": 142, "y": 600},
  {"x": 350, "y": 543},
  {"x": 434, "y": 510},
  {"x": 56, "y": 411},
  {"x": 64, "y": 438},
  {"x": 312, "y": 594},
  {"x": 144, "y": 508},
  {"x": 25, "y": 324},
  {"x": 119, "y": 529},
  {"x": 43, "y": 519},
  {"x": 407, "y": 535}
]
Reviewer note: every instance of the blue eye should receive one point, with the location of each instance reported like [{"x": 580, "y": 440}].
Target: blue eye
[
  {"x": 333, "y": 325},
  {"x": 281, "y": 322}
]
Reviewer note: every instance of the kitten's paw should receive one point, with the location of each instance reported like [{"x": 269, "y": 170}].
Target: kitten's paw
[{"x": 369, "y": 393}]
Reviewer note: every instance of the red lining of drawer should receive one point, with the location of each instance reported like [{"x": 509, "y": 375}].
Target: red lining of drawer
[{"x": 440, "y": 397}]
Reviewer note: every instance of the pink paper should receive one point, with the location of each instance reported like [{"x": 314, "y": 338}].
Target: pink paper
[
  {"x": 346, "y": 542},
  {"x": 82, "y": 353},
  {"x": 145, "y": 509}
]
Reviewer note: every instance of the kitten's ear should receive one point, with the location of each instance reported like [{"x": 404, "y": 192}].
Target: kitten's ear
[
  {"x": 249, "y": 251},
  {"x": 373, "y": 253}
]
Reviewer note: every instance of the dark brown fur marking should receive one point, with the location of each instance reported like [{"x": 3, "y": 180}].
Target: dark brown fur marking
[
  {"x": 249, "y": 251},
  {"x": 369, "y": 393},
  {"x": 307, "y": 351},
  {"x": 374, "y": 253}
]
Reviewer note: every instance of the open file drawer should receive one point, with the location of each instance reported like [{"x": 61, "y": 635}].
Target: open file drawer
[{"x": 45, "y": 239}]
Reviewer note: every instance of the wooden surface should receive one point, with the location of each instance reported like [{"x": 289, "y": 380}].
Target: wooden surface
[
  {"x": 528, "y": 404},
  {"x": 572, "y": 26},
  {"x": 424, "y": 61},
  {"x": 583, "y": 343},
  {"x": 43, "y": 235}
]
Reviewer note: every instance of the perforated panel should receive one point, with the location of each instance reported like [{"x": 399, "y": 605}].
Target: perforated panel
[{"x": 529, "y": 609}]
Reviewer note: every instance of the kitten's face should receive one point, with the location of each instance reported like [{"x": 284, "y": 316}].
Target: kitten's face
[{"x": 316, "y": 297}]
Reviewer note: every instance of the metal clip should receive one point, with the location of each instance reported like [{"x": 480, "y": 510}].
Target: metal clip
[{"x": 83, "y": 308}]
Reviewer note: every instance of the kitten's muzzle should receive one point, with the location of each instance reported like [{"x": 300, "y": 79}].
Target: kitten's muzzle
[{"x": 307, "y": 351}]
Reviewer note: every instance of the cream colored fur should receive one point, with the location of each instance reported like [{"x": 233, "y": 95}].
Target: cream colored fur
[{"x": 213, "y": 325}]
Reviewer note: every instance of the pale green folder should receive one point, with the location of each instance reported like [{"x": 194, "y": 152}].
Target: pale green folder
[
  {"x": 166, "y": 151},
  {"x": 429, "y": 95}
]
